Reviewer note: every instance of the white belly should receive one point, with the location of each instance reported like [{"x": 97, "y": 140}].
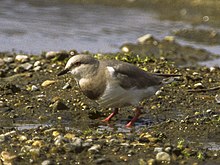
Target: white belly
[{"x": 115, "y": 96}]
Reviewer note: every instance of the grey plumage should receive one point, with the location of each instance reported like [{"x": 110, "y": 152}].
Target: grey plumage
[{"x": 112, "y": 83}]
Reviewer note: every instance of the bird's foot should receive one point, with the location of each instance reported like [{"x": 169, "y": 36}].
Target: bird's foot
[
  {"x": 111, "y": 115},
  {"x": 129, "y": 125}
]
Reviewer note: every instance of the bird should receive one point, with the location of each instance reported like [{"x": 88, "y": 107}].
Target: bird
[{"x": 113, "y": 83}]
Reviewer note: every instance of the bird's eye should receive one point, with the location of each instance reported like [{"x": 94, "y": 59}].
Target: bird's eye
[{"x": 77, "y": 64}]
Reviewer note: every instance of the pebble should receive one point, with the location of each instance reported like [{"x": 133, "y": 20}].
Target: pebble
[
  {"x": 217, "y": 99},
  {"x": 158, "y": 149},
  {"x": 169, "y": 38},
  {"x": 23, "y": 67},
  {"x": 2, "y": 104},
  {"x": 168, "y": 149},
  {"x": 34, "y": 88},
  {"x": 2, "y": 62},
  {"x": 59, "y": 105},
  {"x": 26, "y": 66},
  {"x": 95, "y": 148},
  {"x": 58, "y": 140},
  {"x": 75, "y": 145},
  {"x": 46, "y": 162},
  {"x": 198, "y": 85},
  {"x": 144, "y": 38},
  {"x": 37, "y": 68},
  {"x": 37, "y": 63},
  {"x": 125, "y": 49},
  {"x": 47, "y": 83},
  {"x": 66, "y": 86},
  {"x": 102, "y": 160},
  {"x": 22, "y": 138},
  {"x": 51, "y": 54},
  {"x": 21, "y": 58},
  {"x": 8, "y": 59},
  {"x": 212, "y": 69},
  {"x": 59, "y": 55},
  {"x": 151, "y": 162},
  {"x": 163, "y": 157},
  {"x": 7, "y": 158}
]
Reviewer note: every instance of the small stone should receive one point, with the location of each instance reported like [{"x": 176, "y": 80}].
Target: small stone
[
  {"x": 169, "y": 38},
  {"x": 7, "y": 158},
  {"x": 144, "y": 38},
  {"x": 37, "y": 68},
  {"x": 21, "y": 58},
  {"x": 8, "y": 59},
  {"x": 23, "y": 67},
  {"x": 59, "y": 105},
  {"x": 37, "y": 143},
  {"x": 22, "y": 138},
  {"x": 46, "y": 162},
  {"x": 26, "y": 66},
  {"x": 125, "y": 49},
  {"x": 51, "y": 54},
  {"x": 198, "y": 85},
  {"x": 163, "y": 157},
  {"x": 37, "y": 63},
  {"x": 66, "y": 86},
  {"x": 69, "y": 136},
  {"x": 151, "y": 162},
  {"x": 212, "y": 69},
  {"x": 2, "y": 138},
  {"x": 75, "y": 145},
  {"x": 61, "y": 55},
  {"x": 158, "y": 149},
  {"x": 55, "y": 133},
  {"x": 34, "y": 88},
  {"x": 58, "y": 140},
  {"x": 217, "y": 99},
  {"x": 102, "y": 160},
  {"x": 2, "y": 104},
  {"x": 2, "y": 62},
  {"x": 168, "y": 149},
  {"x": 95, "y": 148},
  {"x": 47, "y": 83},
  {"x": 35, "y": 152},
  {"x": 142, "y": 162}
]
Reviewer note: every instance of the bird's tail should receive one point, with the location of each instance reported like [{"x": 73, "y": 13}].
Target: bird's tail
[{"x": 168, "y": 78}]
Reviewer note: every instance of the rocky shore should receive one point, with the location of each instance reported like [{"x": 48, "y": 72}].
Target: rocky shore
[{"x": 46, "y": 120}]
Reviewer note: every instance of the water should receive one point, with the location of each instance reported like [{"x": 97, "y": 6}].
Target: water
[{"x": 33, "y": 27}]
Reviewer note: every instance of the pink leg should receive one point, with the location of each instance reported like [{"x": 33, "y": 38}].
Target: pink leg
[
  {"x": 111, "y": 115},
  {"x": 137, "y": 114}
]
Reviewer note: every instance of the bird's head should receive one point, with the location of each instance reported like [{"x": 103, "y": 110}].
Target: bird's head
[{"x": 81, "y": 66}]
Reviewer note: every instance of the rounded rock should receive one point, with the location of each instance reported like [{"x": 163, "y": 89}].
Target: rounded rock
[
  {"x": 21, "y": 58},
  {"x": 144, "y": 38},
  {"x": 47, "y": 83},
  {"x": 2, "y": 62},
  {"x": 95, "y": 148},
  {"x": 51, "y": 54},
  {"x": 163, "y": 157}
]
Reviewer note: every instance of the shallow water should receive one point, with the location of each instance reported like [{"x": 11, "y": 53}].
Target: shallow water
[{"x": 33, "y": 27}]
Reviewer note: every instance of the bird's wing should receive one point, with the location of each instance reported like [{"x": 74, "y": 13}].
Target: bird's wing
[{"x": 130, "y": 76}]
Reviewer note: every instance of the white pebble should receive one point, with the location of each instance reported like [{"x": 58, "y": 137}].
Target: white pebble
[
  {"x": 163, "y": 157},
  {"x": 144, "y": 38},
  {"x": 22, "y": 58}
]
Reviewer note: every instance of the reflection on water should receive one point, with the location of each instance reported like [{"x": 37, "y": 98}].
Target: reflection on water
[{"x": 36, "y": 28}]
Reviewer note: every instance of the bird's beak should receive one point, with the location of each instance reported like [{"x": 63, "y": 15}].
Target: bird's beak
[{"x": 63, "y": 72}]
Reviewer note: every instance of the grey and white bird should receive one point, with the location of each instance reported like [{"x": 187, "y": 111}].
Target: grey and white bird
[{"x": 112, "y": 83}]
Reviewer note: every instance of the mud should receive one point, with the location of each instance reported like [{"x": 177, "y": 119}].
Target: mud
[{"x": 182, "y": 120}]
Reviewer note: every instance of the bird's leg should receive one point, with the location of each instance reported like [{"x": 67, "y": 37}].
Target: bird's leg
[
  {"x": 111, "y": 115},
  {"x": 137, "y": 114}
]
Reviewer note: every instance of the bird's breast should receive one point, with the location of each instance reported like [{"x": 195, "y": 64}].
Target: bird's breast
[{"x": 92, "y": 88}]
